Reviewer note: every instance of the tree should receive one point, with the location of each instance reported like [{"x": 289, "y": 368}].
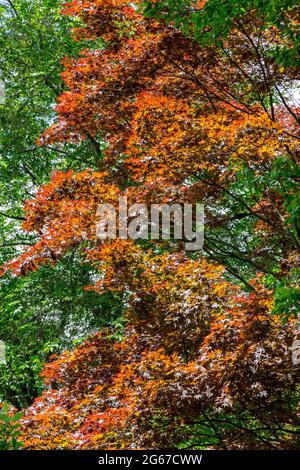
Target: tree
[
  {"x": 47, "y": 311},
  {"x": 205, "y": 358}
]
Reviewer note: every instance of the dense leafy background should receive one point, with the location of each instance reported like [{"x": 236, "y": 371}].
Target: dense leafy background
[
  {"x": 251, "y": 50},
  {"x": 48, "y": 311}
]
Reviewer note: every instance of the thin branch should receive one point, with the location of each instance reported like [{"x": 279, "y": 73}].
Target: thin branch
[{"x": 9, "y": 216}]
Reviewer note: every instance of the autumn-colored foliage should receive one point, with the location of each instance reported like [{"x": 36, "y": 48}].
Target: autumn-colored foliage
[
  {"x": 171, "y": 121},
  {"x": 147, "y": 390}
]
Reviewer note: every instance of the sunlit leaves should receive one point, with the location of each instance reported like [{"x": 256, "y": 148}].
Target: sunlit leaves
[{"x": 173, "y": 120}]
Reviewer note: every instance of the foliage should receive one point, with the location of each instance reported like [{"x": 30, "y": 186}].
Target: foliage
[
  {"x": 48, "y": 311},
  {"x": 182, "y": 107},
  {"x": 211, "y": 20},
  {"x": 43, "y": 314},
  {"x": 9, "y": 428},
  {"x": 140, "y": 393}
]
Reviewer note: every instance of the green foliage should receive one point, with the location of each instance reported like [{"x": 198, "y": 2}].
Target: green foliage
[
  {"x": 9, "y": 428},
  {"x": 44, "y": 314},
  {"x": 216, "y": 19},
  {"x": 48, "y": 311}
]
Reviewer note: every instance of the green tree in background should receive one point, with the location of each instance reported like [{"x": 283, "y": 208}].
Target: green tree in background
[{"x": 49, "y": 310}]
